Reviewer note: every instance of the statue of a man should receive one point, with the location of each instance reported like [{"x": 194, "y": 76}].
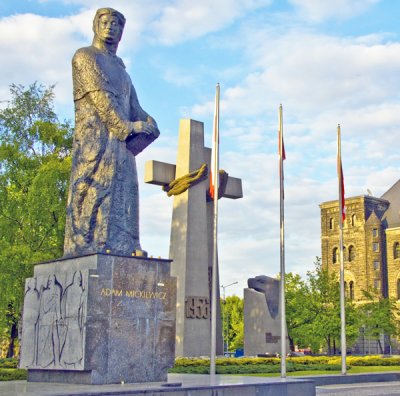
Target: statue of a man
[{"x": 102, "y": 208}]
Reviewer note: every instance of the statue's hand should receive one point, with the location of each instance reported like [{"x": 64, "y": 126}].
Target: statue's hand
[
  {"x": 143, "y": 127},
  {"x": 151, "y": 121}
]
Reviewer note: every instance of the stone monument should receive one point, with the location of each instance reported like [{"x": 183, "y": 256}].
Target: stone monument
[
  {"x": 192, "y": 236},
  {"x": 103, "y": 313},
  {"x": 262, "y": 318}
]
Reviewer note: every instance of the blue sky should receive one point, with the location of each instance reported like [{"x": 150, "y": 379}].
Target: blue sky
[{"x": 326, "y": 62}]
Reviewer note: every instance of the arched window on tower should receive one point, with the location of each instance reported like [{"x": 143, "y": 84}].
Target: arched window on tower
[
  {"x": 396, "y": 250},
  {"x": 353, "y": 220},
  {"x": 344, "y": 253},
  {"x": 335, "y": 255},
  {"x": 351, "y": 286},
  {"x": 351, "y": 253},
  {"x": 331, "y": 223},
  {"x": 398, "y": 289}
]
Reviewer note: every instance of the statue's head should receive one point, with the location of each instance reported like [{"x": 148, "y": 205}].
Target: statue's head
[{"x": 108, "y": 25}]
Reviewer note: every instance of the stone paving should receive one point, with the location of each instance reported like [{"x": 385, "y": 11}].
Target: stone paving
[{"x": 190, "y": 385}]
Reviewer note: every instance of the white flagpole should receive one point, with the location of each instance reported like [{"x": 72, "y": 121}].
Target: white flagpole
[
  {"x": 215, "y": 172},
  {"x": 282, "y": 249},
  {"x": 342, "y": 295}
]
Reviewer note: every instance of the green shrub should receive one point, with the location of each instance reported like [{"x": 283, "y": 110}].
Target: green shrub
[
  {"x": 310, "y": 359},
  {"x": 373, "y": 361},
  {"x": 12, "y": 374},
  {"x": 255, "y": 365},
  {"x": 190, "y": 370},
  {"x": 8, "y": 363}
]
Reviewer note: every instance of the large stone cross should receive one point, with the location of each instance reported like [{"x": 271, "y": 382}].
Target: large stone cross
[{"x": 192, "y": 240}]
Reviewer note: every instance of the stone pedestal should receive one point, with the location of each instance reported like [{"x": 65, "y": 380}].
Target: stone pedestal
[
  {"x": 99, "y": 319},
  {"x": 262, "y": 321}
]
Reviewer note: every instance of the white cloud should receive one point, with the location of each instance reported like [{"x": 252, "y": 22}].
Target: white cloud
[
  {"x": 182, "y": 20},
  {"x": 40, "y": 48},
  {"x": 36, "y": 49},
  {"x": 321, "y": 81},
  {"x": 317, "y": 10}
]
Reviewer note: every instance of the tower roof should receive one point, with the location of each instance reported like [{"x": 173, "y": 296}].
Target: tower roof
[
  {"x": 392, "y": 215},
  {"x": 373, "y": 219}
]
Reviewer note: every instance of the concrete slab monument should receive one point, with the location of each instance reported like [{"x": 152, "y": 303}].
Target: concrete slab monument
[
  {"x": 192, "y": 236},
  {"x": 262, "y": 317},
  {"x": 104, "y": 313}
]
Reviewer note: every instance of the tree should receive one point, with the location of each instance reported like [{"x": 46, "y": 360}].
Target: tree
[
  {"x": 325, "y": 292},
  {"x": 379, "y": 316},
  {"x": 298, "y": 314},
  {"x": 232, "y": 309},
  {"x": 34, "y": 172},
  {"x": 313, "y": 311}
]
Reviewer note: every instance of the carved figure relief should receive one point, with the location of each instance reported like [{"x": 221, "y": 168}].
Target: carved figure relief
[
  {"x": 73, "y": 315},
  {"x": 54, "y": 322},
  {"x": 31, "y": 319},
  {"x": 49, "y": 316}
]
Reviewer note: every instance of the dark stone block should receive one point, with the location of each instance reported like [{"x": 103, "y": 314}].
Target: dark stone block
[{"x": 121, "y": 326}]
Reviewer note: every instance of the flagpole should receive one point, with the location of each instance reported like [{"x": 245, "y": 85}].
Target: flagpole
[
  {"x": 341, "y": 218},
  {"x": 215, "y": 172},
  {"x": 282, "y": 249}
]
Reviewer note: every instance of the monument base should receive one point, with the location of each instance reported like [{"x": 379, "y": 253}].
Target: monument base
[
  {"x": 262, "y": 322},
  {"x": 99, "y": 319},
  {"x": 178, "y": 385}
]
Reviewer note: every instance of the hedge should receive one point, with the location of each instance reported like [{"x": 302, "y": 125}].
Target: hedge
[
  {"x": 272, "y": 364},
  {"x": 254, "y": 365}
]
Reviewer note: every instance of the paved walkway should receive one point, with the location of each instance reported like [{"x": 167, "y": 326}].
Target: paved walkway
[
  {"x": 188, "y": 381},
  {"x": 23, "y": 388},
  {"x": 364, "y": 389}
]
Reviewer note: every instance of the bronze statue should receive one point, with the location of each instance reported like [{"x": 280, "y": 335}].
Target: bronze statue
[{"x": 110, "y": 129}]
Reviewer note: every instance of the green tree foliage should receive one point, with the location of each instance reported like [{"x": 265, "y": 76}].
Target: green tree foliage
[
  {"x": 298, "y": 315},
  {"x": 232, "y": 309},
  {"x": 34, "y": 172},
  {"x": 378, "y": 316},
  {"x": 313, "y": 311}
]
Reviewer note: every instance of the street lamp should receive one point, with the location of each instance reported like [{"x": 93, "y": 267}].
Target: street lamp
[{"x": 225, "y": 336}]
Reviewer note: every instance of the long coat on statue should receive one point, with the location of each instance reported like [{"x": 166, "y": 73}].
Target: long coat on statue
[{"x": 102, "y": 209}]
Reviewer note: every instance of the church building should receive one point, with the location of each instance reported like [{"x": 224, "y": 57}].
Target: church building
[{"x": 371, "y": 240}]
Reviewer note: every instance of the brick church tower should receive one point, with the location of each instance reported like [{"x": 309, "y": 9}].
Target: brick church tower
[{"x": 371, "y": 240}]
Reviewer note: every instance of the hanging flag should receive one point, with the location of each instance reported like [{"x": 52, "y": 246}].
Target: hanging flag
[
  {"x": 342, "y": 203},
  {"x": 342, "y": 193},
  {"x": 342, "y": 217},
  {"x": 283, "y": 331},
  {"x": 281, "y": 152},
  {"x": 214, "y": 182},
  {"x": 215, "y": 143},
  {"x": 281, "y": 145}
]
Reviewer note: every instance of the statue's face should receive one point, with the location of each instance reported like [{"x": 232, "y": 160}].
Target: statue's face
[{"x": 108, "y": 29}]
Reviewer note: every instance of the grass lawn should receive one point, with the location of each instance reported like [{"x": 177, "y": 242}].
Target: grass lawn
[{"x": 353, "y": 370}]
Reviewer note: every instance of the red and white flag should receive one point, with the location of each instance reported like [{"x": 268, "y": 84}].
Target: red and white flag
[
  {"x": 281, "y": 145},
  {"x": 282, "y": 157},
  {"x": 281, "y": 152},
  {"x": 215, "y": 148},
  {"x": 342, "y": 202}
]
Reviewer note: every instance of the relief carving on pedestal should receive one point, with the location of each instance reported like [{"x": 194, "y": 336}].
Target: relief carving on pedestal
[{"x": 54, "y": 321}]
